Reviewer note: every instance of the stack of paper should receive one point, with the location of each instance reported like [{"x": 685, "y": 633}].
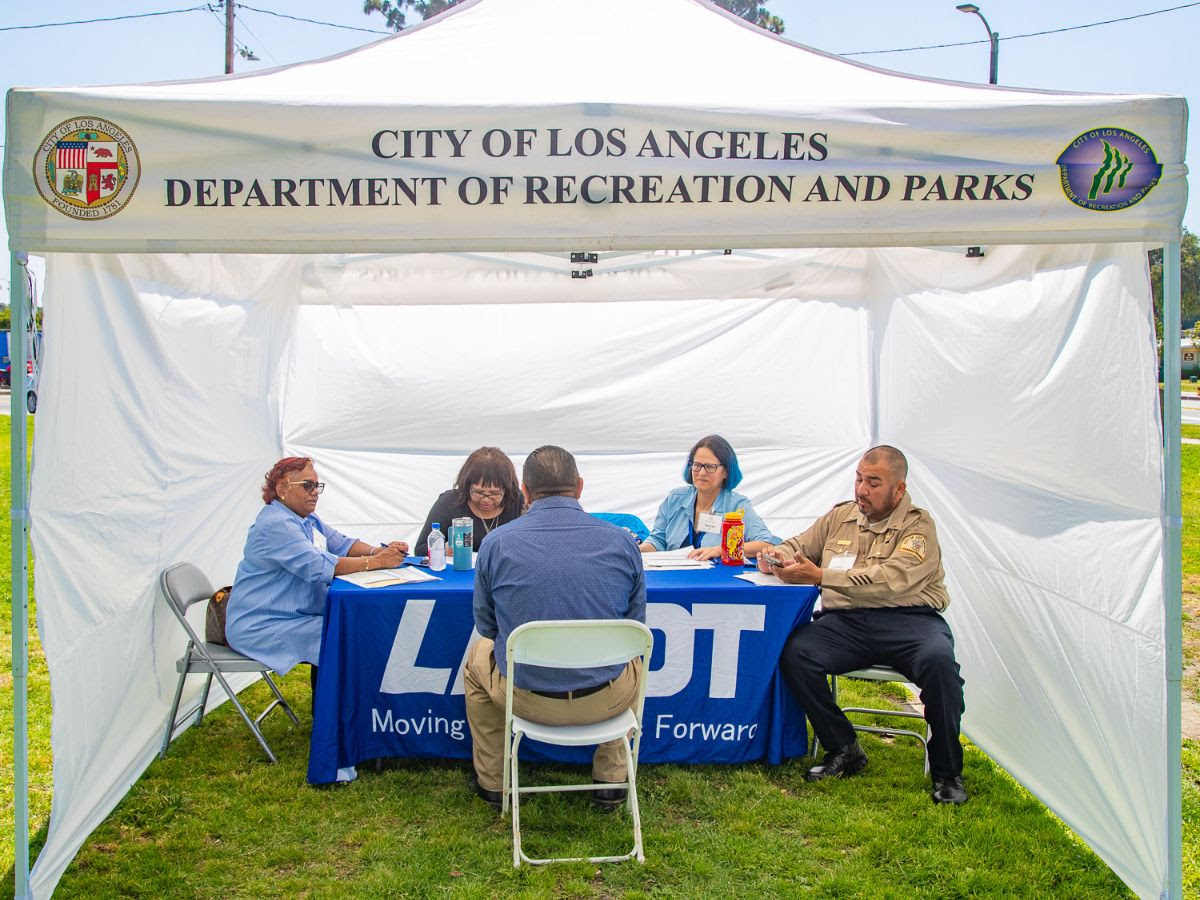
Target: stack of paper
[
  {"x": 673, "y": 559},
  {"x": 384, "y": 577},
  {"x": 761, "y": 578}
]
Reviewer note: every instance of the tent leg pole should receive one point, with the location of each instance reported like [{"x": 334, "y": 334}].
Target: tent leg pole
[
  {"x": 1173, "y": 566},
  {"x": 20, "y": 576}
]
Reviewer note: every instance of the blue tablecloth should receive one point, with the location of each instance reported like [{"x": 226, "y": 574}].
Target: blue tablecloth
[{"x": 390, "y": 680}]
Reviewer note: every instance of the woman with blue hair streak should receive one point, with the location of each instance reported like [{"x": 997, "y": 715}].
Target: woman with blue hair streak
[{"x": 691, "y": 515}]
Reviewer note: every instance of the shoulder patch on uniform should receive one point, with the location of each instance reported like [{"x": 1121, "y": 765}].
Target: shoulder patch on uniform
[{"x": 914, "y": 544}]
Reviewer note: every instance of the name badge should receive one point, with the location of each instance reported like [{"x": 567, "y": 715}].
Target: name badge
[
  {"x": 710, "y": 523},
  {"x": 319, "y": 540},
  {"x": 842, "y": 562}
]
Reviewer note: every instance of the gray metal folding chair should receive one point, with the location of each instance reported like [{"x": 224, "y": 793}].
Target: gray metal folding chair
[
  {"x": 181, "y": 585},
  {"x": 879, "y": 673},
  {"x": 576, "y": 644}
]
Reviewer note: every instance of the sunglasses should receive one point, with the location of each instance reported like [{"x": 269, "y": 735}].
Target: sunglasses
[{"x": 310, "y": 486}]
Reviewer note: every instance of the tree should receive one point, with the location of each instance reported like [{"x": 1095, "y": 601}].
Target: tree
[
  {"x": 394, "y": 11},
  {"x": 6, "y": 318},
  {"x": 1189, "y": 282},
  {"x": 752, "y": 12}
]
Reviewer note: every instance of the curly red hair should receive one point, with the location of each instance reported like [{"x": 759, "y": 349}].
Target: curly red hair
[{"x": 281, "y": 470}]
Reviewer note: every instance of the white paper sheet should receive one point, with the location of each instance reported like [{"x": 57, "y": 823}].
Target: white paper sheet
[{"x": 384, "y": 577}]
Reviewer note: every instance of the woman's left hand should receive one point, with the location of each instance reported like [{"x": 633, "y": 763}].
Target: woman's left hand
[{"x": 705, "y": 553}]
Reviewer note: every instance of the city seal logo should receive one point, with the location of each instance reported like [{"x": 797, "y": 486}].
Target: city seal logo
[
  {"x": 87, "y": 168},
  {"x": 1106, "y": 169}
]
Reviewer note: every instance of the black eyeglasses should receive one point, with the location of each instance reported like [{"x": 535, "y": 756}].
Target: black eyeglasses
[
  {"x": 477, "y": 494},
  {"x": 710, "y": 468},
  {"x": 310, "y": 486}
]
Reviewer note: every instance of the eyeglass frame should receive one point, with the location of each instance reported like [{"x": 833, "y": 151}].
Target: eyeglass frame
[
  {"x": 477, "y": 494},
  {"x": 710, "y": 468},
  {"x": 318, "y": 486}
]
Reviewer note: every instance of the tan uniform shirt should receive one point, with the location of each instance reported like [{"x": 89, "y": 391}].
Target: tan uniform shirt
[{"x": 897, "y": 562}]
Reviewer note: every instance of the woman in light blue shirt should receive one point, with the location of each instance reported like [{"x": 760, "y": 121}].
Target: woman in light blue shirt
[
  {"x": 691, "y": 516},
  {"x": 291, "y": 556}
]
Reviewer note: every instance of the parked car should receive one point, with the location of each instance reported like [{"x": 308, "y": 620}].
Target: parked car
[{"x": 31, "y": 385}]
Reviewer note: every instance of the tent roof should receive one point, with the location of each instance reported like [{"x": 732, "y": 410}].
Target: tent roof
[
  {"x": 637, "y": 52},
  {"x": 550, "y": 92}
]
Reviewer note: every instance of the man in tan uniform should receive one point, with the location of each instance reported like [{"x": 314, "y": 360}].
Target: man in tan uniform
[{"x": 879, "y": 566}]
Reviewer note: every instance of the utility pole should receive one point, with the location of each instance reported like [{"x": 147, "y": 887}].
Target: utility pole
[{"x": 228, "y": 37}]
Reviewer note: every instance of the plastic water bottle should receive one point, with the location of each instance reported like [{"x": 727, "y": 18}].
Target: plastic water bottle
[{"x": 437, "y": 548}]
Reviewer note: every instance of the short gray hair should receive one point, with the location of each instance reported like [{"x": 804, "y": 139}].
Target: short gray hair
[{"x": 548, "y": 471}]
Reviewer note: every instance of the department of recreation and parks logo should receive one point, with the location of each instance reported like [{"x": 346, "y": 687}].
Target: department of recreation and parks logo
[
  {"x": 1108, "y": 168},
  {"x": 87, "y": 168}
]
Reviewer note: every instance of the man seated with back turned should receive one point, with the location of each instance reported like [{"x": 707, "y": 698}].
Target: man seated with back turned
[
  {"x": 554, "y": 562},
  {"x": 882, "y": 592}
]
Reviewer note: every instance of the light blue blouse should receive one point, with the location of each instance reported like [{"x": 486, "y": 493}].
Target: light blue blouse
[
  {"x": 670, "y": 531},
  {"x": 278, "y": 597}
]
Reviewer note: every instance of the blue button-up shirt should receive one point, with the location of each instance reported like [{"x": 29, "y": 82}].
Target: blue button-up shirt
[
  {"x": 556, "y": 562},
  {"x": 278, "y": 596},
  {"x": 673, "y": 523}
]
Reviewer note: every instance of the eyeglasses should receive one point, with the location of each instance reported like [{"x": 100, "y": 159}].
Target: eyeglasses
[
  {"x": 710, "y": 468},
  {"x": 310, "y": 486},
  {"x": 477, "y": 494}
]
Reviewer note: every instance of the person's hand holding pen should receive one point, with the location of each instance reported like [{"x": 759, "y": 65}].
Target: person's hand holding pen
[{"x": 389, "y": 556}]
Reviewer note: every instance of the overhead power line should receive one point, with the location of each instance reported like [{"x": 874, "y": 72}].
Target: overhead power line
[
  {"x": 269, "y": 12},
  {"x": 172, "y": 12},
  {"x": 1013, "y": 37},
  {"x": 165, "y": 12}
]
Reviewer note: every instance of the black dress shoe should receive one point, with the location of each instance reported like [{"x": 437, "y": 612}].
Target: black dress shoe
[
  {"x": 949, "y": 790},
  {"x": 609, "y": 799},
  {"x": 849, "y": 760},
  {"x": 491, "y": 798}
]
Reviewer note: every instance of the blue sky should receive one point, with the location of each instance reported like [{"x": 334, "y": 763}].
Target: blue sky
[{"x": 1142, "y": 55}]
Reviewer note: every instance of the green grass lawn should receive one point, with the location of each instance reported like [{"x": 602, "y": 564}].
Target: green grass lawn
[{"x": 215, "y": 820}]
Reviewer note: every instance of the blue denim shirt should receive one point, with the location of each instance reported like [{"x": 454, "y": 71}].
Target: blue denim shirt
[
  {"x": 670, "y": 531},
  {"x": 278, "y": 596},
  {"x": 556, "y": 562}
]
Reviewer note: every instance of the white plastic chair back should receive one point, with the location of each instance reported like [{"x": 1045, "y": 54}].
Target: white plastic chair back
[{"x": 578, "y": 643}]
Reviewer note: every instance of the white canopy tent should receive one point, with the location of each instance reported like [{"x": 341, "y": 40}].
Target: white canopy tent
[{"x": 366, "y": 259}]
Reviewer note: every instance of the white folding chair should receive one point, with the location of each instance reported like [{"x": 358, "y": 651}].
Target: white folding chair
[
  {"x": 880, "y": 673},
  {"x": 181, "y": 585},
  {"x": 576, "y": 644}
]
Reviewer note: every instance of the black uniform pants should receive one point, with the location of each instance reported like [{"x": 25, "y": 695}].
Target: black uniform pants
[{"x": 915, "y": 641}]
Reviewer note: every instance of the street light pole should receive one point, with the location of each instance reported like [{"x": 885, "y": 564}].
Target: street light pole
[{"x": 993, "y": 37}]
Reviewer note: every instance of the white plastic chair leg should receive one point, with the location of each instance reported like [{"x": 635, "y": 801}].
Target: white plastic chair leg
[{"x": 516, "y": 802}]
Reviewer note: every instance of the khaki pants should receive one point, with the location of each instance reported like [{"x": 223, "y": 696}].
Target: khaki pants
[{"x": 485, "y": 691}]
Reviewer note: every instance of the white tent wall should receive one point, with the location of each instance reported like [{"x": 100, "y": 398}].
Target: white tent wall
[
  {"x": 1049, "y": 516},
  {"x": 635, "y": 362},
  {"x": 119, "y": 502},
  {"x": 1028, "y": 408}
]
